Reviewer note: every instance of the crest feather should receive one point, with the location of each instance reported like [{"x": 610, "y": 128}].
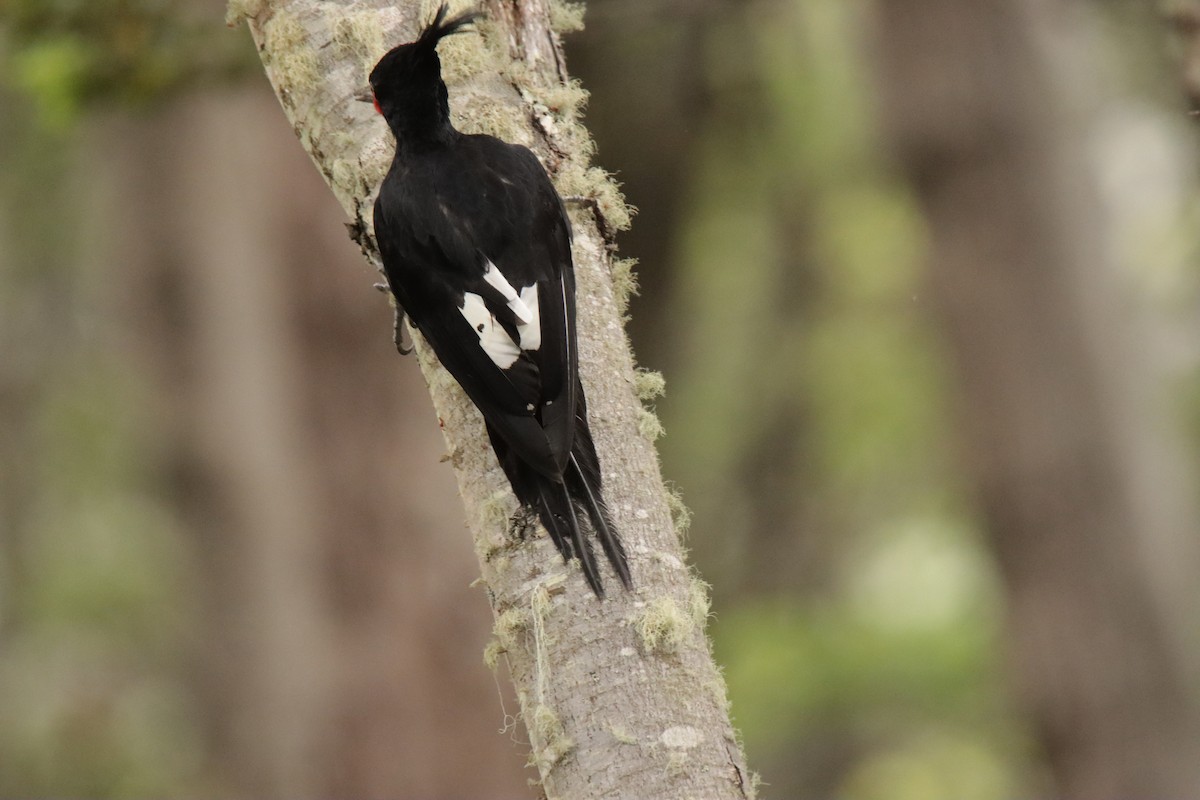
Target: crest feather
[{"x": 440, "y": 27}]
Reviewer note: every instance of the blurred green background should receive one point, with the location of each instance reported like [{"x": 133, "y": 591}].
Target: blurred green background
[{"x": 231, "y": 564}]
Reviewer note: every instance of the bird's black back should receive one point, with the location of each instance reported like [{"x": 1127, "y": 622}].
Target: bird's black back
[
  {"x": 441, "y": 216},
  {"x": 476, "y": 246}
]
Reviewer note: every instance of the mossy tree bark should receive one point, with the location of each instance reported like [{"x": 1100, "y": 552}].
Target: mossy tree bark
[{"x": 621, "y": 698}]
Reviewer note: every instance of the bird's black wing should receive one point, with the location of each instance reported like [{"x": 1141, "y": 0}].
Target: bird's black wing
[{"x": 476, "y": 246}]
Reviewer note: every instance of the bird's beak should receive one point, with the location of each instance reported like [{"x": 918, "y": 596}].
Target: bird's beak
[{"x": 365, "y": 96}]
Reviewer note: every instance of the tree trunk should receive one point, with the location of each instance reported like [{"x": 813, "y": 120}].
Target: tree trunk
[
  {"x": 1080, "y": 490},
  {"x": 621, "y": 698}
]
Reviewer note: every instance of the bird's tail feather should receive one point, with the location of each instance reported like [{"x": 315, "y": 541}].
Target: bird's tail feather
[
  {"x": 556, "y": 510},
  {"x": 583, "y": 547},
  {"x": 584, "y": 477},
  {"x": 553, "y": 524},
  {"x": 556, "y": 504}
]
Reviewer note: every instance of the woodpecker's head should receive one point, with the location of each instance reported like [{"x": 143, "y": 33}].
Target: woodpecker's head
[{"x": 406, "y": 84}]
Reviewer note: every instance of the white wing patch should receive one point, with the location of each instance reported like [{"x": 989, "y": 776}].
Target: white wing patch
[
  {"x": 515, "y": 301},
  {"x": 494, "y": 340},
  {"x": 530, "y": 332}
]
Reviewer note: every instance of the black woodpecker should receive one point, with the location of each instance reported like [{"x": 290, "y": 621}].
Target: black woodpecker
[{"x": 476, "y": 248}]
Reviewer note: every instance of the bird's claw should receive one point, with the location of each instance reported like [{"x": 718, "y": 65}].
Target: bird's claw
[
  {"x": 521, "y": 523},
  {"x": 398, "y": 334}
]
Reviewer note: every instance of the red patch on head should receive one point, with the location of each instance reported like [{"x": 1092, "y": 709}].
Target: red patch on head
[{"x": 377, "y": 108}]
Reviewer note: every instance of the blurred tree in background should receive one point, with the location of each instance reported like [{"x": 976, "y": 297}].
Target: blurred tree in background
[{"x": 231, "y": 565}]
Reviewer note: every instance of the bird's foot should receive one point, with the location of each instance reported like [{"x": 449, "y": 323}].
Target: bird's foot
[
  {"x": 398, "y": 334},
  {"x": 521, "y": 523}
]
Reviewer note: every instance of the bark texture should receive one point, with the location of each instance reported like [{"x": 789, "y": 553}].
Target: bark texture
[
  {"x": 621, "y": 698},
  {"x": 1079, "y": 486}
]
